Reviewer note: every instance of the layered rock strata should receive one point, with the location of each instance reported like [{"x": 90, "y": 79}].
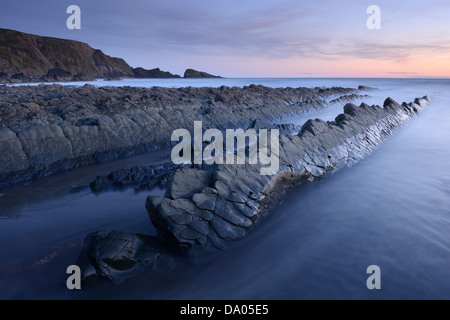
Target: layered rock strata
[{"x": 50, "y": 129}]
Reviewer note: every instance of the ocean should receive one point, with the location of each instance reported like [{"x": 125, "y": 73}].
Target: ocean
[{"x": 391, "y": 210}]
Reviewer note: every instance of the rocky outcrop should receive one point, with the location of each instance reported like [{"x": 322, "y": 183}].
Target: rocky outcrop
[
  {"x": 153, "y": 73},
  {"x": 191, "y": 73},
  {"x": 57, "y": 74},
  {"x": 49, "y": 129},
  {"x": 140, "y": 177},
  {"x": 120, "y": 255},
  {"x": 205, "y": 210}
]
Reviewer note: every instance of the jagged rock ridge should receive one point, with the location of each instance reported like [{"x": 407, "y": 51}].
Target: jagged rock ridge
[{"x": 205, "y": 210}]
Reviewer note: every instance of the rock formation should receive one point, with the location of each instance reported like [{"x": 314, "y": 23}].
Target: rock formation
[
  {"x": 207, "y": 209},
  {"x": 49, "y": 129},
  {"x": 153, "y": 73}
]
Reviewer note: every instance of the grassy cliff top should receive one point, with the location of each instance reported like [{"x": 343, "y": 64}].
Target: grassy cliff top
[{"x": 34, "y": 55}]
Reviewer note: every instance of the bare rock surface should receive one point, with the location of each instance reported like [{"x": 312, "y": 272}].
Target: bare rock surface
[{"x": 47, "y": 129}]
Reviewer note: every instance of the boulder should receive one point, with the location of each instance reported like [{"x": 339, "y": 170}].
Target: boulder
[{"x": 117, "y": 256}]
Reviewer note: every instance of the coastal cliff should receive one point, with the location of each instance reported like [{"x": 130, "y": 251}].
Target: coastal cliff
[{"x": 33, "y": 56}]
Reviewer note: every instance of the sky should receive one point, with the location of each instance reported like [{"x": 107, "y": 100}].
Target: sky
[{"x": 264, "y": 38}]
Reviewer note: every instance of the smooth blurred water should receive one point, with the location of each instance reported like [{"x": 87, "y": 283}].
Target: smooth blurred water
[
  {"x": 240, "y": 82},
  {"x": 391, "y": 209}
]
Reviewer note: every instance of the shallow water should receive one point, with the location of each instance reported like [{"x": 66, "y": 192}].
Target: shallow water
[{"x": 391, "y": 209}]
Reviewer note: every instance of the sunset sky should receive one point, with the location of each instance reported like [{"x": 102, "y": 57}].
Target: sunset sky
[{"x": 264, "y": 38}]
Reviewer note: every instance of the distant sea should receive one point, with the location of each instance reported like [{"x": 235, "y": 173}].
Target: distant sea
[{"x": 238, "y": 82}]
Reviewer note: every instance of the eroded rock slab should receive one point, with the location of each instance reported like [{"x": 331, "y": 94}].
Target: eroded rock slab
[{"x": 139, "y": 177}]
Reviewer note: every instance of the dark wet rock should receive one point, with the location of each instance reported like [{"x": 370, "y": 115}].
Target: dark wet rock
[
  {"x": 4, "y": 78},
  {"x": 117, "y": 255},
  {"x": 238, "y": 196},
  {"x": 205, "y": 210},
  {"x": 19, "y": 78},
  {"x": 365, "y": 88},
  {"x": 57, "y": 74},
  {"x": 348, "y": 98},
  {"x": 82, "y": 77},
  {"x": 47, "y": 129},
  {"x": 140, "y": 177}
]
